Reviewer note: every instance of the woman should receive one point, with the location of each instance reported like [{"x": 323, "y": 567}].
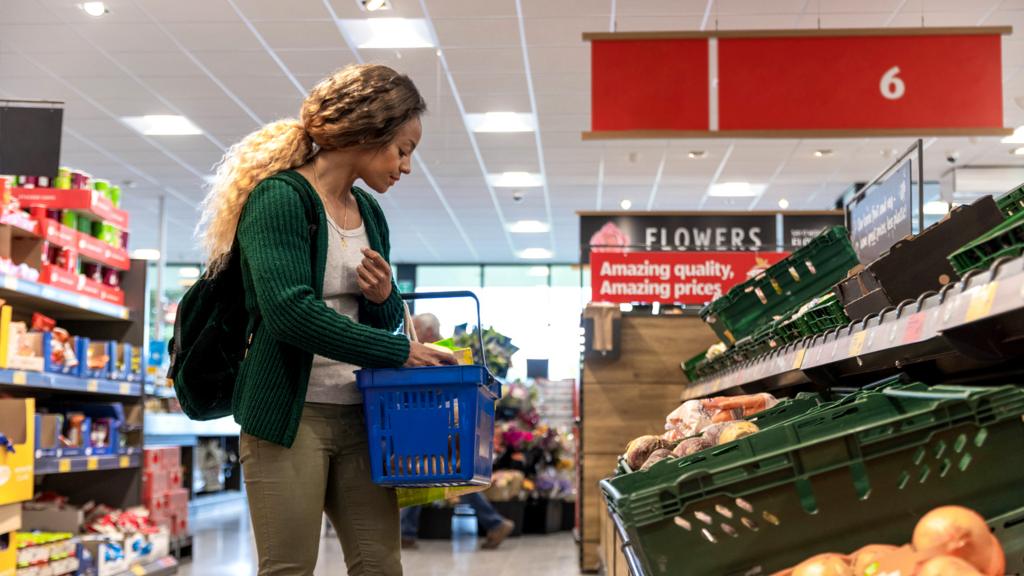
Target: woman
[{"x": 327, "y": 305}]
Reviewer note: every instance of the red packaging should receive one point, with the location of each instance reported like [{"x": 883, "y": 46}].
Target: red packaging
[
  {"x": 178, "y": 499},
  {"x": 163, "y": 458},
  {"x": 68, "y": 260},
  {"x": 155, "y": 483},
  {"x": 111, "y": 277},
  {"x": 42, "y": 323}
]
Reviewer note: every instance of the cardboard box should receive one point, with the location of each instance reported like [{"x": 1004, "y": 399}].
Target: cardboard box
[
  {"x": 178, "y": 499},
  {"x": 48, "y": 429},
  {"x": 10, "y": 522},
  {"x": 162, "y": 458},
  {"x": 161, "y": 544},
  {"x": 18, "y": 423},
  {"x": 109, "y": 557},
  {"x": 52, "y": 518},
  {"x": 155, "y": 483}
]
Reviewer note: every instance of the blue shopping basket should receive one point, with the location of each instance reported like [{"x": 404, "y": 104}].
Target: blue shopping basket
[{"x": 434, "y": 425}]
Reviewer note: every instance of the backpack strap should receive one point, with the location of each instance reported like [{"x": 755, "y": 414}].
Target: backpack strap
[{"x": 312, "y": 220}]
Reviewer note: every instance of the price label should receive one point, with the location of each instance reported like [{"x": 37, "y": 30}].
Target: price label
[
  {"x": 981, "y": 301},
  {"x": 798, "y": 358},
  {"x": 125, "y": 462},
  {"x": 914, "y": 328},
  {"x": 92, "y": 463},
  {"x": 138, "y": 570},
  {"x": 20, "y": 378},
  {"x": 126, "y": 388},
  {"x": 11, "y": 282},
  {"x": 92, "y": 386},
  {"x": 64, "y": 465},
  {"x": 857, "y": 343}
]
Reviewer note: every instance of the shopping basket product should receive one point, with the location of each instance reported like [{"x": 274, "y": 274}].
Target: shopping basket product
[
  {"x": 860, "y": 470},
  {"x": 431, "y": 426}
]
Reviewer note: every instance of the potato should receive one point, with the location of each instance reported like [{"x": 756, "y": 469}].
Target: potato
[
  {"x": 691, "y": 446},
  {"x": 655, "y": 457},
  {"x": 640, "y": 449},
  {"x": 736, "y": 430}
]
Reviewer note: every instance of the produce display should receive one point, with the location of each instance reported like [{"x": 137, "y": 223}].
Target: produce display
[{"x": 948, "y": 541}]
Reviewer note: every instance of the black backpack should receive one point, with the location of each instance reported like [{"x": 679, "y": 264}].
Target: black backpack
[{"x": 213, "y": 330}]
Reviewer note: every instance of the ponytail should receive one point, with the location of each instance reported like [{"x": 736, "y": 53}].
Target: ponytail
[{"x": 276, "y": 147}]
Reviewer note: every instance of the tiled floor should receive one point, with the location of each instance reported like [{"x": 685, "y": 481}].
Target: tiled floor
[{"x": 223, "y": 546}]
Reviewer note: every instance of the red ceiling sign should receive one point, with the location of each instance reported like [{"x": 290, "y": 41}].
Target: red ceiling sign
[
  {"x": 650, "y": 85},
  {"x": 860, "y": 82},
  {"x": 672, "y": 277},
  {"x": 797, "y": 83}
]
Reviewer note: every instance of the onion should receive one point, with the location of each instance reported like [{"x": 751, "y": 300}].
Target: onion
[
  {"x": 956, "y": 531},
  {"x": 824, "y": 565},
  {"x": 997, "y": 564},
  {"x": 868, "y": 555},
  {"x": 947, "y": 566}
]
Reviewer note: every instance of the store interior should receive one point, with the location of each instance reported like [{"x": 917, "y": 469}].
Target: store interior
[{"x": 748, "y": 280}]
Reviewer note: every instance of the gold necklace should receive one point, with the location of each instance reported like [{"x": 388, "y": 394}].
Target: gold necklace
[{"x": 344, "y": 206}]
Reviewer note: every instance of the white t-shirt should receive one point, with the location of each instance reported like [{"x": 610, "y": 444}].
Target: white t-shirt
[{"x": 332, "y": 382}]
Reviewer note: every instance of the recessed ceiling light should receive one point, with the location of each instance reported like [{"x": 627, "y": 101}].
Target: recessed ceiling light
[
  {"x": 501, "y": 122},
  {"x": 822, "y": 153},
  {"x": 162, "y": 125},
  {"x": 188, "y": 272},
  {"x": 936, "y": 208},
  {"x": 626, "y": 204},
  {"x": 698, "y": 153},
  {"x": 388, "y": 33},
  {"x": 783, "y": 203},
  {"x": 535, "y": 254},
  {"x": 145, "y": 254},
  {"x": 515, "y": 180},
  {"x": 1016, "y": 138},
  {"x": 539, "y": 272},
  {"x": 736, "y": 189},
  {"x": 529, "y": 227},
  {"x": 375, "y": 5},
  {"x": 95, "y": 9},
  {"x": 1018, "y": 151}
]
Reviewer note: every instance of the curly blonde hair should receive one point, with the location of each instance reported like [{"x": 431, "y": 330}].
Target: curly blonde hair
[{"x": 357, "y": 106}]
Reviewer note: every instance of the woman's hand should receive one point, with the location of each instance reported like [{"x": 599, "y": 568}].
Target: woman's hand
[
  {"x": 421, "y": 355},
  {"x": 374, "y": 277}
]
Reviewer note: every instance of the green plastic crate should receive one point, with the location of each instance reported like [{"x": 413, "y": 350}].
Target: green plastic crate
[
  {"x": 827, "y": 314},
  {"x": 860, "y": 470},
  {"x": 1012, "y": 202},
  {"x": 690, "y": 366},
  {"x": 783, "y": 287},
  {"x": 1007, "y": 239}
]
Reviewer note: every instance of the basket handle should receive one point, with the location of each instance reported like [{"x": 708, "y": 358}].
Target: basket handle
[{"x": 457, "y": 294}]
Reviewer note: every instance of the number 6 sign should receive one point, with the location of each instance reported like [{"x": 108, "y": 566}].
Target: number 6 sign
[{"x": 892, "y": 86}]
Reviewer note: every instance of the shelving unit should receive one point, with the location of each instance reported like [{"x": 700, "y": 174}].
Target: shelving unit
[
  {"x": 966, "y": 328},
  {"x": 65, "y": 464},
  {"x": 65, "y": 383},
  {"x": 58, "y": 302}
]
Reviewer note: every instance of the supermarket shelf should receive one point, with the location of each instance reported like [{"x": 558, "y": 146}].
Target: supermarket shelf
[
  {"x": 64, "y": 464},
  {"x": 88, "y": 202},
  {"x": 160, "y": 391},
  {"x": 68, "y": 383},
  {"x": 64, "y": 304},
  {"x": 978, "y": 319},
  {"x": 181, "y": 425},
  {"x": 162, "y": 567}
]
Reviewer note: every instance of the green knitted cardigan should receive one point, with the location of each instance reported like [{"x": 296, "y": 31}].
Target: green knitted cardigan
[{"x": 274, "y": 238}]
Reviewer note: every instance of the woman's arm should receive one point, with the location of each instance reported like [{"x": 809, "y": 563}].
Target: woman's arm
[{"x": 274, "y": 240}]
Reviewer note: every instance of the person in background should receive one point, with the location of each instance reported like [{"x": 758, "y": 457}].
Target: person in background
[{"x": 497, "y": 527}]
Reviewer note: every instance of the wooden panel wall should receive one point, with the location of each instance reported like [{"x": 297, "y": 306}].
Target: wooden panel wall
[{"x": 625, "y": 398}]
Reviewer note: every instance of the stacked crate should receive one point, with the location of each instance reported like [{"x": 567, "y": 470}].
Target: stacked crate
[{"x": 163, "y": 491}]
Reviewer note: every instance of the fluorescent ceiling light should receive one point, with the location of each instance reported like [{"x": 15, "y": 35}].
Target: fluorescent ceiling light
[
  {"x": 94, "y": 8},
  {"x": 515, "y": 180},
  {"x": 189, "y": 272},
  {"x": 539, "y": 272},
  {"x": 936, "y": 208},
  {"x": 697, "y": 154},
  {"x": 162, "y": 125},
  {"x": 535, "y": 254},
  {"x": 1018, "y": 151},
  {"x": 1016, "y": 138},
  {"x": 783, "y": 203},
  {"x": 145, "y": 254},
  {"x": 529, "y": 227},
  {"x": 501, "y": 122},
  {"x": 736, "y": 190},
  {"x": 626, "y": 204},
  {"x": 822, "y": 153},
  {"x": 390, "y": 33}
]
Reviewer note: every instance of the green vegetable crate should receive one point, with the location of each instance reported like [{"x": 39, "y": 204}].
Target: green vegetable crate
[
  {"x": 825, "y": 315},
  {"x": 859, "y": 470},
  {"x": 1004, "y": 240},
  {"x": 782, "y": 288},
  {"x": 1012, "y": 202}
]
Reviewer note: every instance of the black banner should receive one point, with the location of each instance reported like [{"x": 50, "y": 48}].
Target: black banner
[{"x": 699, "y": 232}]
